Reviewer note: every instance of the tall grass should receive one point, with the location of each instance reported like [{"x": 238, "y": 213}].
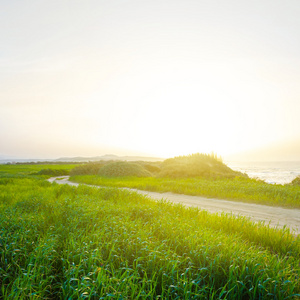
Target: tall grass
[
  {"x": 63, "y": 242},
  {"x": 236, "y": 189},
  {"x": 296, "y": 181},
  {"x": 36, "y": 169},
  {"x": 197, "y": 165},
  {"x": 123, "y": 168},
  {"x": 194, "y": 165},
  {"x": 91, "y": 168}
]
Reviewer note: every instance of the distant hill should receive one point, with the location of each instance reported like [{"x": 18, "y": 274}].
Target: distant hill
[
  {"x": 108, "y": 157},
  {"x": 21, "y": 160},
  {"x": 81, "y": 159}
]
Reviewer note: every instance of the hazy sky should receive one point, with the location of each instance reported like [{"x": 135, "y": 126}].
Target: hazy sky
[{"x": 163, "y": 77}]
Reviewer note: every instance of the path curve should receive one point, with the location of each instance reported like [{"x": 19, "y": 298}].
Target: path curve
[{"x": 275, "y": 216}]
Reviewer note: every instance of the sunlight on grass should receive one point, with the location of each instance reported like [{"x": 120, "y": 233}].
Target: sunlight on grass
[
  {"x": 196, "y": 174},
  {"x": 59, "y": 241},
  {"x": 237, "y": 189}
]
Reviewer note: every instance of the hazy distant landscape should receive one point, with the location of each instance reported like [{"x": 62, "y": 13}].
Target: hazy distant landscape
[
  {"x": 81, "y": 159},
  {"x": 280, "y": 172}
]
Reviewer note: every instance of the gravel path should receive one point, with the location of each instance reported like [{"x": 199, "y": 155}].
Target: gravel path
[{"x": 275, "y": 216}]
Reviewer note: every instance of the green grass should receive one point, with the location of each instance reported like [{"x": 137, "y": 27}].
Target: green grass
[
  {"x": 123, "y": 168},
  {"x": 237, "y": 189},
  {"x": 296, "y": 181},
  {"x": 35, "y": 169},
  {"x": 196, "y": 174},
  {"x": 62, "y": 242},
  {"x": 194, "y": 165},
  {"x": 197, "y": 165}
]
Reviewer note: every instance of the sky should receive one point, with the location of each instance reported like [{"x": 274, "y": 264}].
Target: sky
[{"x": 148, "y": 77}]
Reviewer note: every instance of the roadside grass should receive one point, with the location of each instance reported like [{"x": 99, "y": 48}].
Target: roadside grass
[
  {"x": 63, "y": 242},
  {"x": 236, "y": 189},
  {"x": 195, "y": 174}
]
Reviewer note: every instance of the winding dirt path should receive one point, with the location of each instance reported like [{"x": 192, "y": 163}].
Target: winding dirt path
[{"x": 275, "y": 216}]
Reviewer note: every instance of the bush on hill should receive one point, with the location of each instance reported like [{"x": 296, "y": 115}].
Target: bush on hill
[
  {"x": 123, "y": 168},
  {"x": 296, "y": 181},
  {"x": 152, "y": 167},
  {"x": 52, "y": 172},
  {"x": 196, "y": 165},
  {"x": 91, "y": 168}
]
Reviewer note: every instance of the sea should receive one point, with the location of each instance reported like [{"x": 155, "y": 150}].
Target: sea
[{"x": 279, "y": 172}]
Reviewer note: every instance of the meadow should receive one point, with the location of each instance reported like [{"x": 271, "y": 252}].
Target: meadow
[
  {"x": 23, "y": 170},
  {"x": 236, "y": 189},
  {"x": 195, "y": 174},
  {"x": 63, "y": 242}
]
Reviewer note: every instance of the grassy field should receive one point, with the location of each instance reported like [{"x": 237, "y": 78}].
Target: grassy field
[
  {"x": 237, "y": 189},
  {"x": 23, "y": 170},
  {"x": 194, "y": 165},
  {"x": 63, "y": 242},
  {"x": 195, "y": 174}
]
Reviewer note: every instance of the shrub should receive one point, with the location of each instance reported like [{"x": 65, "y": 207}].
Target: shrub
[
  {"x": 196, "y": 165},
  {"x": 152, "y": 167},
  {"x": 52, "y": 172},
  {"x": 296, "y": 181},
  {"x": 91, "y": 168},
  {"x": 123, "y": 168}
]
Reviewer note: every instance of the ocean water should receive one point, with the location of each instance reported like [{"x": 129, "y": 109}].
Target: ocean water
[{"x": 280, "y": 172}]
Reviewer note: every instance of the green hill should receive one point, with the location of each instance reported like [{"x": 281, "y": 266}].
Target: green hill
[
  {"x": 122, "y": 169},
  {"x": 196, "y": 165}
]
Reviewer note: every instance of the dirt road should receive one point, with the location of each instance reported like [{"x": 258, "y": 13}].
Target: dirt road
[{"x": 275, "y": 216}]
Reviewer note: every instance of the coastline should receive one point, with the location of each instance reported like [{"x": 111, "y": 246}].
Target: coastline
[{"x": 273, "y": 172}]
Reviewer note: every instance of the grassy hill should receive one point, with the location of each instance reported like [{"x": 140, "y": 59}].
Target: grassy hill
[
  {"x": 196, "y": 174},
  {"x": 123, "y": 168},
  {"x": 195, "y": 165}
]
